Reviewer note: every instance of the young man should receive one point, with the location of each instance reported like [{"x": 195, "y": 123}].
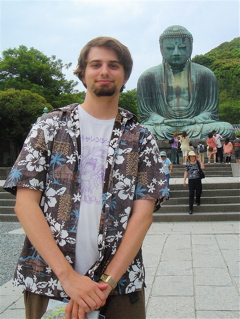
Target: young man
[{"x": 86, "y": 181}]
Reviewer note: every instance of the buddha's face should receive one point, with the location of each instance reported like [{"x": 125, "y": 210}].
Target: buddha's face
[{"x": 176, "y": 51}]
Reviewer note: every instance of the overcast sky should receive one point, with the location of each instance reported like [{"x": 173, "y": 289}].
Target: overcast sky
[{"x": 62, "y": 28}]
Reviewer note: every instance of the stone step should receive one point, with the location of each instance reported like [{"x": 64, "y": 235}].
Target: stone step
[
  {"x": 208, "y": 167},
  {"x": 4, "y": 194},
  {"x": 6, "y": 210},
  {"x": 211, "y": 170},
  {"x": 169, "y": 207},
  {"x": 205, "y": 200},
  {"x": 178, "y": 198},
  {"x": 165, "y": 217},
  {"x": 7, "y": 202},
  {"x": 207, "y": 174},
  {"x": 7, "y": 214},
  {"x": 207, "y": 186},
  {"x": 196, "y": 217},
  {"x": 206, "y": 193},
  {"x": 208, "y": 171},
  {"x": 8, "y": 217},
  {"x": 219, "y": 202}
]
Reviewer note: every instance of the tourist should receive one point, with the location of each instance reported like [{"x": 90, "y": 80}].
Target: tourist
[
  {"x": 175, "y": 153},
  {"x": 217, "y": 137},
  {"x": 211, "y": 148},
  {"x": 200, "y": 150},
  {"x": 228, "y": 150},
  {"x": 167, "y": 166},
  {"x": 185, "y": 146},
  {"x": 192, "y": 172},
  {"x": 86, "y": 182}
]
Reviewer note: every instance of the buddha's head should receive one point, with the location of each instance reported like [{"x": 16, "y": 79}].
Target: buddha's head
[{"x": 176, "y": 45}]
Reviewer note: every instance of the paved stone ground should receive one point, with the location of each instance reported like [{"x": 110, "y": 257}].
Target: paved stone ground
[
  {"x": 192, "y": 270},
  {"x": 10, "y": 244}
]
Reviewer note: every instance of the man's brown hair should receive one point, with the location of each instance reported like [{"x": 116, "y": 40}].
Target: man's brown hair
[{"x": 121, "y": 51}]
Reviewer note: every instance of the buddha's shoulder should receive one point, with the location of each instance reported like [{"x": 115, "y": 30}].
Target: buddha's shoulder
[
  {"x": 154, "y": 70},
  {"x": 200, "y": 68}
]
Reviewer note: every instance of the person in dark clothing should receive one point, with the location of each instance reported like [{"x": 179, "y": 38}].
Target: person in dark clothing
[
  {"x": 192, "y": 171},
  {"x": 175, "y": 148}
]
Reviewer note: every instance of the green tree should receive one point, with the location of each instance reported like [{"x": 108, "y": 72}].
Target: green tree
[
  {"x": 29, "y": 69},
  {"x": 18, "y": 111},
  {"x": 224, "y": 61},
  {"x": 69, "y": 98},
  {"x": 128, "y": 101},
  {"x": 229, "y": 111}
]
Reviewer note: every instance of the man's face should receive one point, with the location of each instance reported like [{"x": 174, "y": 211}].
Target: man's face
[
  {"x": 176, "y": 51},
  {"x": 104, "y": 75}
]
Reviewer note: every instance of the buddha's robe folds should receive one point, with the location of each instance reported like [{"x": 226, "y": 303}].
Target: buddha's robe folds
[{"x": 198, "y": 116}]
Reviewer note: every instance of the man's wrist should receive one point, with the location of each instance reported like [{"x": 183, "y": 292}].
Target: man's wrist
[{"x": 108, "y": 279}]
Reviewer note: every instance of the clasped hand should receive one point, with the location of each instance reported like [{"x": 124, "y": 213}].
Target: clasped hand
[{"x": 86, "y": 295}]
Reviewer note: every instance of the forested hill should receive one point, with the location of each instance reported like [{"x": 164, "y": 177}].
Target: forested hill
[{"x": 224, "y": 61}]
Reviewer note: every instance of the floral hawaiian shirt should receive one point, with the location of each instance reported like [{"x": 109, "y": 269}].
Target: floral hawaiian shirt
[{"x": 49, "y": 162}]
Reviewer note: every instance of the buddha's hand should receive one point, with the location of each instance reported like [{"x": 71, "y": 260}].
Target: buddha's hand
[
  {"x": 179, "y": 122},
  {"x": 154, "y": 119},
  {"x": 204, "y": 118}
]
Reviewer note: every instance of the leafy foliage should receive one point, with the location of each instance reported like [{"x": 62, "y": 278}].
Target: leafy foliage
[
  {"x": 68, "y": 98},
  {"x": 128, "y": 101},
  {"x": 18, "y": 110},
  {"x": 30, "y": 69},
  {"x": 224, "y": 61}
]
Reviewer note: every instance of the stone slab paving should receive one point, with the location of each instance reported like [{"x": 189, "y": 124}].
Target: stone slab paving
[
  {"x": 197, "y": 275},
  {"x": 192, "y": 271}
]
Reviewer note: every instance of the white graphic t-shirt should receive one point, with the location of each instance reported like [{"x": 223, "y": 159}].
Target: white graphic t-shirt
[{"x": 95, "y": 138}]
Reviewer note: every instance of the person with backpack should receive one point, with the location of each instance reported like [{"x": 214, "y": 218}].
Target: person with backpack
[
  {"x": 219, "y": 155},
  {"x": 200, "y": 150}
]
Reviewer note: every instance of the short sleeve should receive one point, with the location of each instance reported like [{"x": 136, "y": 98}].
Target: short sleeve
[
  {"x": 151, "y": 180},
  {"x": 32, "y": 163}
]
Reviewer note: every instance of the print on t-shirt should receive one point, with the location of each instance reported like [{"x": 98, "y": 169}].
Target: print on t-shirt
[{"x": 92, "y": 172}]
